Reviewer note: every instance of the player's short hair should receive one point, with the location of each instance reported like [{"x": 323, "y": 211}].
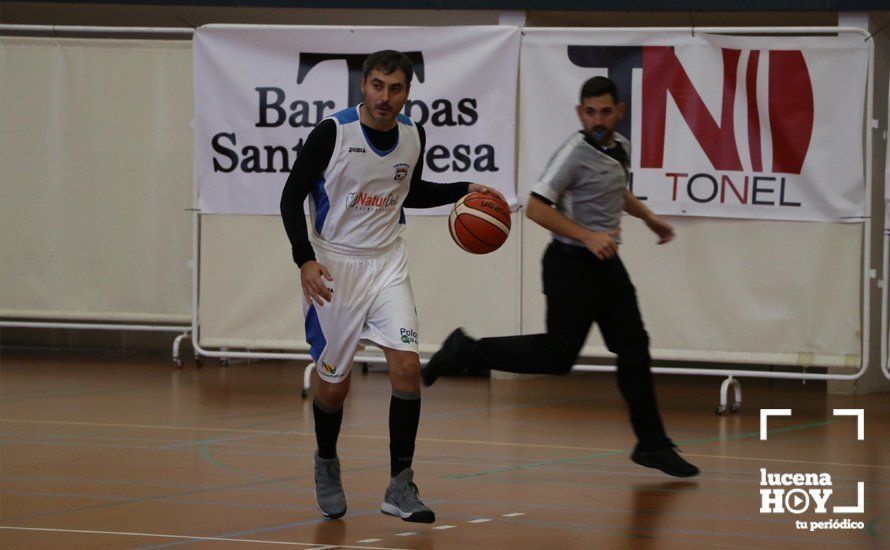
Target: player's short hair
[
  {"x": 599, "y": 86},
  {"x": 387, "y": 61}
]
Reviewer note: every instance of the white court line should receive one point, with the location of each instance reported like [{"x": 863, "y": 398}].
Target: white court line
[
  {"x": 480, "y": 520},
  {"x": 368, "y": 540},
  {"x": 166, "y": 536},
  {"x": 406, "y": 534},
  {"x": 444, "y": 527},
  {"x": 514, "y": 514}
]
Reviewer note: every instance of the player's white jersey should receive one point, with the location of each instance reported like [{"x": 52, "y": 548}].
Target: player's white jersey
[{"x": 356, "y": 206}]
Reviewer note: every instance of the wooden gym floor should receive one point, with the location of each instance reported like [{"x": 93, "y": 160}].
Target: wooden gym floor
[{"x": 121, "y": 451}]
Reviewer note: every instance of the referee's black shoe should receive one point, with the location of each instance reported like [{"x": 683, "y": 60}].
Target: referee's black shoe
[
  {"x": 446, "y": 360},
  {"x": 667, "y": 460}
]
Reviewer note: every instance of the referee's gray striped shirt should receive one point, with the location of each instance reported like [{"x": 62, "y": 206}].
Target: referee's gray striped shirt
[{"x": 585, "y": 184}]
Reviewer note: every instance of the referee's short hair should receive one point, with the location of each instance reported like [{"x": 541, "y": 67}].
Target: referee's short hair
[
  {"x": 388, "y": 61},
  {"x": 598, "y": 86}
]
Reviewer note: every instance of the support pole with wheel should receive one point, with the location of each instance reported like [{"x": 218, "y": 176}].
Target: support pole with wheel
[{"x": 724, "y": 390}]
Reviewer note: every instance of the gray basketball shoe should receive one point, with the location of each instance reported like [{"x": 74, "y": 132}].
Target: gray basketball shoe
[
  {"x": 329, "y": 495},
  {"x": 402, "y": 499}
]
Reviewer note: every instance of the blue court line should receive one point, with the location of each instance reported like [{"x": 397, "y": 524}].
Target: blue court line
[
  {"x": 83, "y": 436},
  {"x": 211, "y": 441},
  {"x": 156, "y": 497},
  {"x": 68, "y": 393},
  {"x": 56, "y": 494},
  {"x": 74, "y": 479},
  {"x": 291, "y": 411},
  {"x": 229, "y": 503},
  {"x": 450, "y": 413},
  {"x": 483, "y": 409},
  {"x": 61, "y": 444},
  {"x": 205, "y": 455},
  {"x": 624, "y": 451}
]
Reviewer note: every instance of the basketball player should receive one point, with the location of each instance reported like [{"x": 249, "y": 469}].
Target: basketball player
[
  {"x": 579, "y": 198},
  {"x": 359, "y": 167}
]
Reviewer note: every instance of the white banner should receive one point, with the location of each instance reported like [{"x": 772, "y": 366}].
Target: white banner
[
  {"x": 259, "y": 91},
  {"x": 764, "y": 127}
]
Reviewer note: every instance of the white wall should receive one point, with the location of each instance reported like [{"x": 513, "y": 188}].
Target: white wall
[
  {"x": 97, "y": 176},
  {"x": 96, "y": 179}
]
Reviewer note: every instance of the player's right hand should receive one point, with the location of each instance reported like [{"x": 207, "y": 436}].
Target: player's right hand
[
  {"x": 314, "y": 287},
  {"x": 602, "y": 244}
]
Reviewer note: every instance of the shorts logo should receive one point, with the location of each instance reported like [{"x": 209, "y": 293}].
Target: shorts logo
[
  {"x": 401, "y": 171},
  {"x": 328, "y": 368},
  {"x": 357, "y": 150},
  {"x": 409, "y": 336}
]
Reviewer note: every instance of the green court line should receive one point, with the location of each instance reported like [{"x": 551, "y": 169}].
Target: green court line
[
  {"x": 870, "y": 528},
  {"x": 623, "y": 451}
]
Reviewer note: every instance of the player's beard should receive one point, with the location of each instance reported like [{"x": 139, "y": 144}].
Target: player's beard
[
  {"x": 382, "y": 117},
  {"x": 600, "y": 135}
]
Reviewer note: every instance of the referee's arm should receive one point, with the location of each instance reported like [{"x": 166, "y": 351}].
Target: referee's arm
[{"x": 541, "y": 211}]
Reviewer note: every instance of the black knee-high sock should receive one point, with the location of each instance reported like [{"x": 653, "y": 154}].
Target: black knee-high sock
[
  {"x": 327, "y": 429},
  {"x": 404, "y": 416}
]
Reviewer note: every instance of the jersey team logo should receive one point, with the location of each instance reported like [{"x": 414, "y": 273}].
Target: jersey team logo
[
  {"x": 401, "y": 171},
  {"x": 364, "y": 201}
]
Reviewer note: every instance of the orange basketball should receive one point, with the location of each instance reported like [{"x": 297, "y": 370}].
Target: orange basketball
[{"x": 479, "y": 223}]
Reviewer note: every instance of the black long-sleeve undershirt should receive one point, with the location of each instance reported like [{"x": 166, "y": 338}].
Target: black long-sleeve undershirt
[{"x": 313, "y": 161}]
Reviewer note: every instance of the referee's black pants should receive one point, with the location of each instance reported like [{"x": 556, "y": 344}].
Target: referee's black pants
[{"x": 582, "y": 290}]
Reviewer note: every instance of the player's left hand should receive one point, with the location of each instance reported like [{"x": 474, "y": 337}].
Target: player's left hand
[
  {"x": 479, "y": 188},
  {"x": 663, "y": 229}
]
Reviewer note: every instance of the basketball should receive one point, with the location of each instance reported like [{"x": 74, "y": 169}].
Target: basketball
[{"x": 479, "y": 223}]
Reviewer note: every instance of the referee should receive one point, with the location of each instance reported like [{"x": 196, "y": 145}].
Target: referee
[{"x": 580, "y": 198}]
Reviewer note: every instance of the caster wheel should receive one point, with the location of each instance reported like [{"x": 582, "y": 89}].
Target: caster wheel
[
  {"x": 224, "y": 362},
  {"x": 199, "y": 362},
  {"x": 304, "y": 393},
  {"x": 720, "y": 409},
  {"x": 178, "y": 363},
  {"x": 735, "y": 407},
  {"x": 364, "y": 368}
]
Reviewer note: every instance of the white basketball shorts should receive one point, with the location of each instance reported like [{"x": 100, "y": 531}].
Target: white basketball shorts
[{"x": 372, "y": 301}]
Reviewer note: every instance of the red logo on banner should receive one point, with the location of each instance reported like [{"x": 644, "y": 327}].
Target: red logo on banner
[{"x": 790, "y": 109}]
